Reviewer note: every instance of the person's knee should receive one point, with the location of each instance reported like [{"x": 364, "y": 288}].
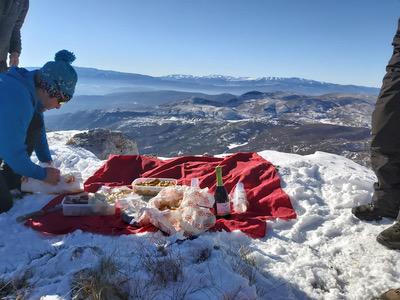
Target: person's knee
[
  {"x": 6, "y": 202},
  {"x": 11, "y": 179},
  {"x": 6, "y": 199},
  {"x": 3, "y": 66}
]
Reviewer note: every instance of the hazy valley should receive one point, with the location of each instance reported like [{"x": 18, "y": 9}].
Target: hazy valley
[{"x": 178, "y": 122}]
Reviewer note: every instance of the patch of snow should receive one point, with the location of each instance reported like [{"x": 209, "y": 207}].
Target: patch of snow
[
  {"x": 325, "y": 253},
  {"x": 231, "y": 146}
]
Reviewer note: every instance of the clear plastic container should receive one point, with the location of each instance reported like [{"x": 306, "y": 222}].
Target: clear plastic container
[
  {"x": 143, "y": 186},
  {"x": 75, "y": 205}
]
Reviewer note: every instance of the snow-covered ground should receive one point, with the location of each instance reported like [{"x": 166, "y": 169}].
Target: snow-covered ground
[
  {"x": 325, "y": 253},
  {"x": 232, "y": 146}
]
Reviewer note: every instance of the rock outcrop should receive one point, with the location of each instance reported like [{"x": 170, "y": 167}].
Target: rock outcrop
[{"x": 103, "y": 142}]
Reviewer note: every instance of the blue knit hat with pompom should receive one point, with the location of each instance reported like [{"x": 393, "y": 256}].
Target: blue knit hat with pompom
[{"x": 59, "y": 75}]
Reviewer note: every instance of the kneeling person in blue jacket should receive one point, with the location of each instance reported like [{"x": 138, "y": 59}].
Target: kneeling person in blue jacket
[{"x": 24, "y": 96}]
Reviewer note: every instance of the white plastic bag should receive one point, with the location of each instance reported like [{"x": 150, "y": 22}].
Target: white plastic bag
[
  {"x": 180, "y": 209},
  {"x": 196, "y": 197},
  {"x": 158, "y": 218},
  {"x": 195, "y": 220},
  {"x": 69, "y": 183},
  {"x": 168, "y": 198}
]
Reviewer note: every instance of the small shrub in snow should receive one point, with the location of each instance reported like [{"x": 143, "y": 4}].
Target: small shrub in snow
[
  {"x": 202, "y": 255},
  {"x": 164, "y": 269}
]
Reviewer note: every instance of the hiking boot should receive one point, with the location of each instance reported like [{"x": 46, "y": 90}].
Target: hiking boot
[
  {"x": 390, "y": 237},
  {"x": 392, "y": 294},
  {"x": 371, "y": 212},
  {"x": 366, "y": 212}
]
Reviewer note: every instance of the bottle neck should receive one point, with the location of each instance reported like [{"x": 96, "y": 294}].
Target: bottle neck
[{"x": 218, "y": 171}]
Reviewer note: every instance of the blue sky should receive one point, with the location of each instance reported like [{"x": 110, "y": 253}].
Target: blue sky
[{"x": 342, "y": 41}]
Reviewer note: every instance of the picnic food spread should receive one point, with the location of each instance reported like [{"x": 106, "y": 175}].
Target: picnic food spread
[
  {"x": 265, "y": 198},
  {"x": 172, "y": 208}
]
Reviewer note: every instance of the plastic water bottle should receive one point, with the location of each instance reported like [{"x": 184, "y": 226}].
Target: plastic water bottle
[
  {"x": 240, "y": 202},
  {"x": 194, "y": 183}
]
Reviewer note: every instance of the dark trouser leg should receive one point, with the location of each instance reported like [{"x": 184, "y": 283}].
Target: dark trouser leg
[
  {"x": 385, "y": 145},
  {"x": 12, "y": 179},
  {"x": 3, "y": 66},
  {"x": 6, "y": 200}
]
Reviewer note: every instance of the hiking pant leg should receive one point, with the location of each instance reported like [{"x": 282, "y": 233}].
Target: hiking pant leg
[
  {"x": 385, "y": 144},
  {"x": 13, "y": 180},
  {"x": 6, "y": 200},
  {"x": 3, "y": 66}
]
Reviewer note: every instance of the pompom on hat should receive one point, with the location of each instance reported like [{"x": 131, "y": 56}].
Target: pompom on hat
[{"x": 58, "y": 77}]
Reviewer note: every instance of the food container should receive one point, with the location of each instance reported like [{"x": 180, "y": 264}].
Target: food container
[
  {"x": 86, "y": 205},
  {"x": 151, "y": 186}
]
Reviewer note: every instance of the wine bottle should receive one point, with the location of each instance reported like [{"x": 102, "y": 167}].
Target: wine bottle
[{"x": 222, "y": 205}]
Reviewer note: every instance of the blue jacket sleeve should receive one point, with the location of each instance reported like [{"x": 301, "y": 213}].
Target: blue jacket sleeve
[
  {"x": 41, "y": 145},
  {"x": 15, "y": 117}
]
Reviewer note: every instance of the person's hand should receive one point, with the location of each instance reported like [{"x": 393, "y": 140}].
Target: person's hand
[
  {"x": 52, "y": 176},
  {"x": 69, "y": 178},
  {"x": 47, "y": 164},
  {"x": 14, "y": 59}
]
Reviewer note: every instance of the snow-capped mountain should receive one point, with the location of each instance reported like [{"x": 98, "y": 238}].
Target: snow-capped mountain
[
  {"x": 100, "y": 82},
  {"x": 222, "y": 78},
  {"x": 211, "y": 77},
  {"x": 325, "y": 253}
]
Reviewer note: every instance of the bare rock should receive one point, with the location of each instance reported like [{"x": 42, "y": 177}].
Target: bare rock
[{"x": 103, "y": 142}]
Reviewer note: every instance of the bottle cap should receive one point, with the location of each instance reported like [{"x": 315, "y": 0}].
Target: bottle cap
[{"x": 240, "y": 186}]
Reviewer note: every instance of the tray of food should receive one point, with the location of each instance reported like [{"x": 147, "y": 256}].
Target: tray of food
[
  {"x": 151, "y": 186},
  {"x": 86, "y": 204}
]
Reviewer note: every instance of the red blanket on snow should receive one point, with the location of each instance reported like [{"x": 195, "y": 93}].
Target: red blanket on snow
[{"x": 260, "y": 178}]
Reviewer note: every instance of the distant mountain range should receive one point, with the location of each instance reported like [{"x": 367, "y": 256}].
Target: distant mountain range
[
  {"x": 99, "y": 82},
  {"x": 145, "y": 101},
  {"x": 134, "y": 100}
]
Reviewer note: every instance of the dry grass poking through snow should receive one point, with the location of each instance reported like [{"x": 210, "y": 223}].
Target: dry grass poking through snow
[
  {"x": 164, "y": 269},
  {"x": 17, "y": 288},
  {"x": 98, "y": 283},
  {"x": 161, "y": 272},
  {"x": 153, "y": 272},
  {"x": 244, "y": 264}
]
